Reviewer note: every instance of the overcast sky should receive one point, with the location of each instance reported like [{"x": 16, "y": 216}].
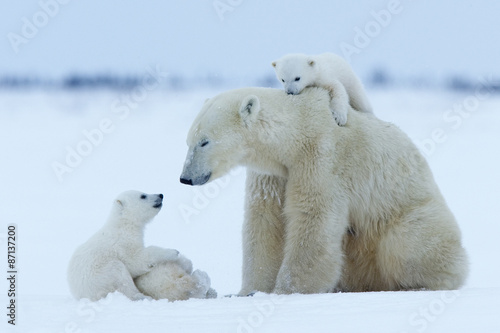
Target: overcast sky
[{"x": 240, "y": 38}]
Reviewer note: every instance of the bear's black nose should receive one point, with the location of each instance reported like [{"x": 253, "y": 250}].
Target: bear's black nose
[
  {"x": 160, "y": 195},
  {"x": 186, "y": 181}
]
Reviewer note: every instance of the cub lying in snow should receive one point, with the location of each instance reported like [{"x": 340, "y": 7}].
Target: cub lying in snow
[
  {"x": 175, "y": 281},
  {"x": 326, "y": 70},
  {"x": 115, "y": 255}
]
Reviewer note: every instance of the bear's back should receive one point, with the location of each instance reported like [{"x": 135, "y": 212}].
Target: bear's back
[{"x": 382, "y": 169}]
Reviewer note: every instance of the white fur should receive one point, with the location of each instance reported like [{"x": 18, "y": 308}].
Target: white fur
[
  {"x": 175, "y": 281},
  {"x": 329, "y": 71},
  {"x": 353, "y": 208},
  {"x": 115, "y": 255}
]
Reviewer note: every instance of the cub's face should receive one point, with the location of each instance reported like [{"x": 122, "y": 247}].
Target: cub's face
[
  {"x": 138, "y": 205},
  {"x": 295, "y": 72},
  {"x": 216, "y": 140}
]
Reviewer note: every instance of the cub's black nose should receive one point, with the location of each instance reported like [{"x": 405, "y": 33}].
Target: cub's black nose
[
  {"x": 186, "y": 181},
  {"x": 160, "y": 195}
]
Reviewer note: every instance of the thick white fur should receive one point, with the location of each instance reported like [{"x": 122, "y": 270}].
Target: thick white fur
[
  {"x": 175, "y": 281},
  {"x": 115, "y": 255},
  {"x": 351, "y": 208},
  {"x": 326, "y": 70}
]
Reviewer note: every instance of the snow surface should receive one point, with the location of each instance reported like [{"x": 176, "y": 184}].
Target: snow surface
[
  {"x": 469, "y": 310},
  {"x": 144, "y": 149}
]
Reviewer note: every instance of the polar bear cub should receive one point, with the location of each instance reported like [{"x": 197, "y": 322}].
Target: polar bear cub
[
  {"x": 175, "y": 281},
  {"x": 326, "y": 70},
  {"x": 115, "y": 255}
]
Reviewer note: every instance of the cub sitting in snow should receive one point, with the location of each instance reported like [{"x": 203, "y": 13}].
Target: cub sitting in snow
[
  {"x": 115, "y": 255},
  {"x": 329, "y": 71}
]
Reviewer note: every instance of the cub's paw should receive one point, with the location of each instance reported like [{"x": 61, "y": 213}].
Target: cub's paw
[
  {"x": 211, "y": 293},
  {"x": 340, "y": 117},
  {"x": 202, "y": 280},
  {"x": 158, "y": 255},
  {"x": 171, "y": 255},
  {"x": 185, "y": 264}
]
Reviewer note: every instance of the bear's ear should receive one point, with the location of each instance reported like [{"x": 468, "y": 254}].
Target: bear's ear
[
  {"x": 311, "y": 62},
  {"x": 250, "y": 107},
  {"x": 274, "y": 64},
  {"x": 119, "y": 203}
]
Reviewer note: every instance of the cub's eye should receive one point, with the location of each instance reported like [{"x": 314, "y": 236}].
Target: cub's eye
[
  {"x": 297, "y": 78},
  {"x": 282, "y": 80},
  {"x": 143, "y": 196},
  {"x": 203, "y": 143}
]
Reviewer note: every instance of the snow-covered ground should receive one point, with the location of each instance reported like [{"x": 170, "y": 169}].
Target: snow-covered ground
[{"x": 67, "y": 155}]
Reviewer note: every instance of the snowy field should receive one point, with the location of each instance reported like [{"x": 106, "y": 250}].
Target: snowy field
[{"x": 67, "y": 155}]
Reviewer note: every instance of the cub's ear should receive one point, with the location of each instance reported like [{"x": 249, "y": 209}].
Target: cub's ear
[
  {"x": 119, "y": 203},
  {"x": 311, "y": 62},
  {"x": 274, "y": 64},
  {"x": 250, "y": 107}
]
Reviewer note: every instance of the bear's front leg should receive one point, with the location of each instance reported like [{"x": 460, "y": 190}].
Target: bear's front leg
[
  {"x": 339, "y": 102},
  {"x": 142, "y": 260},
  {"x": 263, "y": 232},
  {"x": 316, "y": 220},
  {"x": 156, "y": 255}
]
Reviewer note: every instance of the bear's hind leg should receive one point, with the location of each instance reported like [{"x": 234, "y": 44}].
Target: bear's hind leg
[
  {"x": 134, "y": 295},
  {"x": 423, "y": 251},
  {"x": 112, "y": 276},
  {"x": 357, "y": 96}
]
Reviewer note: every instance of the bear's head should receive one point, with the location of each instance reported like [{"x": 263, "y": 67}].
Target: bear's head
[
  {"x": 137, "y": 206},
  {"x": 217, "y": 137},
  {"x": 295, "y": 72}
]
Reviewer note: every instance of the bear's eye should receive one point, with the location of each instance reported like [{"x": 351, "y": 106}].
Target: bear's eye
[
  {"x": 203, "y": 143},
  {"x": 282, "y": 80},
  {"x": 143, "y": 196},
  {"x": 297, "y": 78}
]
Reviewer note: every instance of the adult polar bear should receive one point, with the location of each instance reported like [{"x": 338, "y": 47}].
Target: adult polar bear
[{"x": 351, "y": 208}]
